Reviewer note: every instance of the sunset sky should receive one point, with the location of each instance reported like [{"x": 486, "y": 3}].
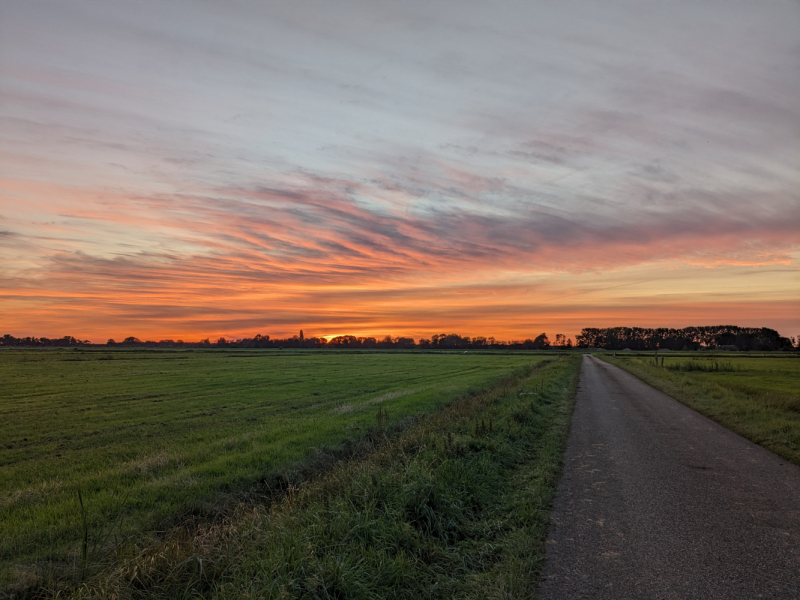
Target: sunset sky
[{"x": 174, "y": 169}]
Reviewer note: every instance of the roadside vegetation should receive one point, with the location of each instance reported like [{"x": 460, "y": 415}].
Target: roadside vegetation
[
  {"x": 758, "y": 397},
  {"x": 157, "y": 446}
]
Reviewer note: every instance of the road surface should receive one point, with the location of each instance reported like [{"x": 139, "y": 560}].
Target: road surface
[{"x": 657, "y": 501}]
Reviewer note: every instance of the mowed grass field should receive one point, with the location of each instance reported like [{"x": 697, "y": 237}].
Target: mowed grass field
[
  {"x": 454, "y": 505},
  {"x": 757, "y": 396},
  {"x": 149, "y": 436}
]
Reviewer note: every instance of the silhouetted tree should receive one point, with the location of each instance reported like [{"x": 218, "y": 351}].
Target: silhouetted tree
[{"x": 541, "y": 342}]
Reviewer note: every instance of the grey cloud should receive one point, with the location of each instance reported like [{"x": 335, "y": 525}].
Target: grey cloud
[{"x": 306, "y": 135}]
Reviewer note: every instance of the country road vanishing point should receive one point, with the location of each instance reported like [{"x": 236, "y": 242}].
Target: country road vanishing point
[{"x": 656, "y": 501}]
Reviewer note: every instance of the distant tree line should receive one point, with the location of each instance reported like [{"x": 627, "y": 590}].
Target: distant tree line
[
  {"x": 66, "y": 341},
  {"x": 453, "y": 341},
  {"x": 729, "y": 337},
  {"x": 441, "y": 341}
]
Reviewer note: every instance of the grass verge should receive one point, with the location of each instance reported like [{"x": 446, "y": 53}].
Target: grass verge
[
  {"x": 755, "y": 397},
  {"x": 456, "y": 505}
]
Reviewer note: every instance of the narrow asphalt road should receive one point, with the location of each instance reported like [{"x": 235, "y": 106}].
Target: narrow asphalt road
[{"x": 657, "y": 501}]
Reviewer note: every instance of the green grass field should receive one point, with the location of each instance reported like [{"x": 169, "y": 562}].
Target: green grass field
[
  {"x": 757, "y": 396},
  {"x": 455, "y": 505},
  {"x": 149, "y": 437}
]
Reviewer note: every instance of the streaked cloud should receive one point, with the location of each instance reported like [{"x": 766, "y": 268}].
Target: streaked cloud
[{"x": 182, "y": 169}]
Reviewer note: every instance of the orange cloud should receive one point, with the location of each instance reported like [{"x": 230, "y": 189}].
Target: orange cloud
[{"x": 331, "y": 257}]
